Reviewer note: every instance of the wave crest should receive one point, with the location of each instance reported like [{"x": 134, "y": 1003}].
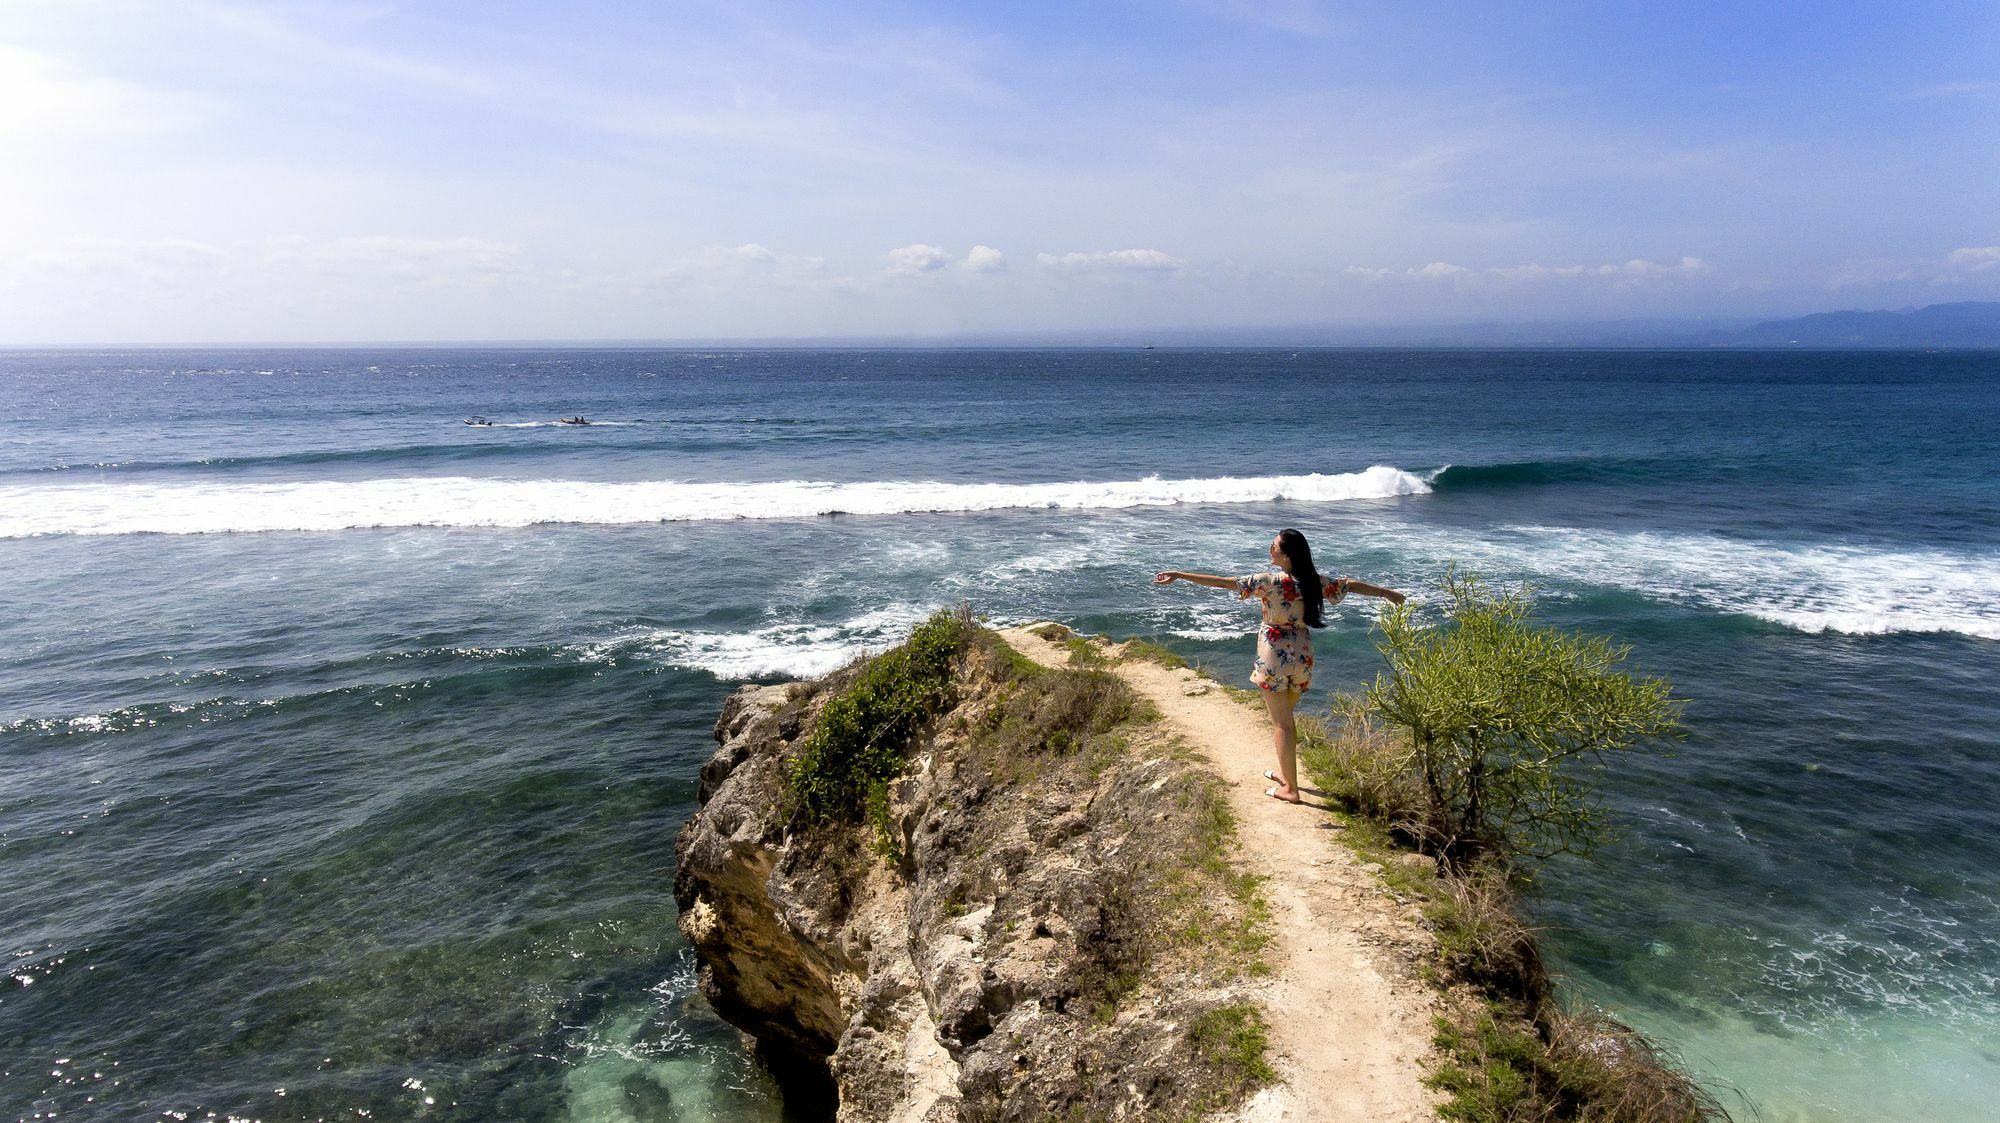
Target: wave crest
[{"x": 457, "y": 501}]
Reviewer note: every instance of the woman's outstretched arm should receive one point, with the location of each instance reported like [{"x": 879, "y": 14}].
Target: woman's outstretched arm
[
  {"x": 1168, "y": 577},
  {"x": 1367, "y": 590}
]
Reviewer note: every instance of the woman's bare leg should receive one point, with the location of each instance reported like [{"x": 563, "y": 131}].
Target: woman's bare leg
[{"x": 1284, "y": 739}]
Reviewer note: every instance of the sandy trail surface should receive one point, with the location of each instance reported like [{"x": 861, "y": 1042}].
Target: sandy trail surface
[{"x": 1350, "y": 1024}]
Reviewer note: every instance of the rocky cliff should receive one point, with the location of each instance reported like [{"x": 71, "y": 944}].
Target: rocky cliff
[{"x": 1044, "y": 926}]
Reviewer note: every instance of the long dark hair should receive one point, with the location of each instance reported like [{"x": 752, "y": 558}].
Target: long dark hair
[{"x": 1293, "y": 545}]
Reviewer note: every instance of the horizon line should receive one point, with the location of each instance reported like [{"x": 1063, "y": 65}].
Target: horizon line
[{"x": 1629, "y": 333}]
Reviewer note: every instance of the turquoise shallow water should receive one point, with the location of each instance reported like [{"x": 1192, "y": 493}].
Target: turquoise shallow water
[{"x": 344, "y": 743}]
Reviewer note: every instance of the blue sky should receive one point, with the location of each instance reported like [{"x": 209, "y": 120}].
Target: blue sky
[{"x": 192, "y": 170}]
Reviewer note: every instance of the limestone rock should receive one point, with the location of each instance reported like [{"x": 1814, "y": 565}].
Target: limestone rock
[{"x": 987, "y": 975}]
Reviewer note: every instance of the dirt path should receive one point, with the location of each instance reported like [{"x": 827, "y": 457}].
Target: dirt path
[{"x": 1349, "y": 1023}]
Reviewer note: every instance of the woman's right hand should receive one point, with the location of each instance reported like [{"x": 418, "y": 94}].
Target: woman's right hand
[{"x": 1163, "y": 578}]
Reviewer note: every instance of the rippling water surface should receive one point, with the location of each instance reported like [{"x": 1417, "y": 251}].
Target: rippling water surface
[{"x": 343, "y": 744}]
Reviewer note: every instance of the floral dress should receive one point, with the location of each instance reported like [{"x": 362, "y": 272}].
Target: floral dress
[{"x": 1284, "y": 647}]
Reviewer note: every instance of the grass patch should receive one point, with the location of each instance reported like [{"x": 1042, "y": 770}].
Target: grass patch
[
  {"x": 1235, "y": 937},
  {"x": 1368, "y": 769},
  {"x": 1490, "y": 1071},
  {"x": 1150, "y": 652},
  {"x": 1018, "y": 667},
  {"x": 1060, "y": 712},
  {"x": 1084, "y": 653},
  {"x": 1234, "y": 1039},
  {"x": 1243, "y": 696},
  {"x": 1502, "y": 1069}
]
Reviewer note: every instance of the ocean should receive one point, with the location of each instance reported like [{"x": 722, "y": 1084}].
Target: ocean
[{"x": 343, "y": 743}]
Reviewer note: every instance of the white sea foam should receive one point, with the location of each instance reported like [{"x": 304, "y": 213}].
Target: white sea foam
[
  {"x": 1839, "y": 588},
  {"x": 787, "y": 650},
  {"x": 211, "y": 508},
  {"x": 1208, "y": 619},
  {"x": 1066, "y": 558}
]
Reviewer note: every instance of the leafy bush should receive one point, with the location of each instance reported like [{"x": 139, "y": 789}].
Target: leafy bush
[
  {"x": 1497, "y": 710},
  {"x": 1464, "y": 748},
  {"x": 842, "y": 770}
]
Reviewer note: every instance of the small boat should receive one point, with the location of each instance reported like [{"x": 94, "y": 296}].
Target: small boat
[
  {"x": 478, "y": 421},
  {"x": 579, "y": 419}
]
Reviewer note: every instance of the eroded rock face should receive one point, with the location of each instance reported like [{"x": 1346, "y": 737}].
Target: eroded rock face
[
  {"x": 761, "y": 968},
  {"x": 1008, "y": 967}
]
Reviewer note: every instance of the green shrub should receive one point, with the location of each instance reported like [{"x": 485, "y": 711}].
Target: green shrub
[
  {"x": 841, "y": 772},
  {"x": 1497, "y": 710}
]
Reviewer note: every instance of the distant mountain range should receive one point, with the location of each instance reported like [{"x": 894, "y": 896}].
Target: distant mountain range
[
  {"x": 1970, "y": 324},
  {"x": 1966, "y": 324}
]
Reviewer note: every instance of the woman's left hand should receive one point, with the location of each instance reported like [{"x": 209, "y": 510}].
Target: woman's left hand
[{"x": 1163, "y": 578}]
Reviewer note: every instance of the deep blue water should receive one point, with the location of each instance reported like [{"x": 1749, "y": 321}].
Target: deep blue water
[{"x": 343, "y": 744}]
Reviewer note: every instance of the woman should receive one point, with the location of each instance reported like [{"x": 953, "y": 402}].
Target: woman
[{"x": 1292, "y": 601}]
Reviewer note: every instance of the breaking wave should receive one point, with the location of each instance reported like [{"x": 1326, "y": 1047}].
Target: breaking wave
[{"x": 457, "y": 501}]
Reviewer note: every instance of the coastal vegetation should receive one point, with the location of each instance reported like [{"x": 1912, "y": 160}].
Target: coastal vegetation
[
  {"x": 1495, "y": 712},
  {"x": 842, "y": 771},
  {"x": 1466, "y": 751}
]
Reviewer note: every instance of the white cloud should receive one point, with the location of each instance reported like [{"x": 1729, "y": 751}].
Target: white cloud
[
  {"x": 917, "y": 258},
  {"x": 1974, "y": 259},
  {"x": 1872, "y": 271},
  {"x": 402, "y": 259},
  {"x": 1617, "y": 275},
  {"x": 110, "y": 264},
  {"x": 1435, "y": 271},
  {"x": 271, "y": 264},
  {"x": 732, "y": 259},
  {"x": 985, "y": 259},
  {"x": 1964, "y": 265},
  {"x": 1137, "y": 261},
  {"x": 728, "y": 265},
  {"x": 1637, "y": 269},
  {"x": 179, "y": 289}
]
